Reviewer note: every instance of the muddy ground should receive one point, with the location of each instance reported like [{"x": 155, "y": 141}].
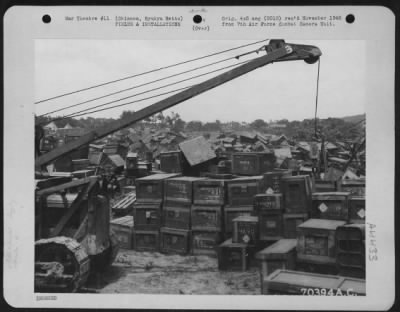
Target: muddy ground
[{"x": 155, "y": 273}]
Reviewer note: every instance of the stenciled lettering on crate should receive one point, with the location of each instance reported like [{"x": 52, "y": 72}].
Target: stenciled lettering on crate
[
  {"x": 231, "y": 213},
  {"x": 180, "y": 190},
  {"x": 207, "y": 218},
  {"x": 252, "y": 163},
  {"x": 316, "y": 241},
  {"x": 330, "y": 205},
  {"x": 241, "y": 191},
  {"x": 151, "y": 188},
  {"x": 245, "y": 230},
  {"x": 273, "y": 180},
  {"x": 209, "y": 192}
]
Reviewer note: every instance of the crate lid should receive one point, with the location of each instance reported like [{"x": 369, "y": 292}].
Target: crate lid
[
  {"x": 148, "y": 204},
  {"x": 359, "y": 182},
  {"x": 208, "y": 181},
  {"x": 357, "y": 227},
  {"x": 304, "y": 279},
  {"x": 170, "y": 152},
  {"x": 278, "y": 250},
  {"x": 207, "y": 207},
  {"x": 197, "y": 150},
  {"x": 127, "y": 220},
  {"x": 268, "y": 195},
  {"x": 174, "y": 231},
  {"x": 229, "y": 243},
  {"x": 295, "y": 178},
  {"x": 356, "y": 285},
  {"x": 83, "y": 171},
  {"x": 321, "y": 224},
  {"x": 186, "y": 178},
  {"x": 327, "y": 194},
  {"x": 158, "y": 176},
  {"x": 252, "y": 153},
  {"x": 245, "y": 219},
  {"x": 244, "y": 179}
]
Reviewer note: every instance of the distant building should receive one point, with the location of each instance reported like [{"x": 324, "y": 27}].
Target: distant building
[
  {"x": 51, "y": 126},
  {"x": 68, "y": 126}
]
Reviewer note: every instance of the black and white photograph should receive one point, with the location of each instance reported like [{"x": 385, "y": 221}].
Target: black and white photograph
[{"x": 212, "y": 166}]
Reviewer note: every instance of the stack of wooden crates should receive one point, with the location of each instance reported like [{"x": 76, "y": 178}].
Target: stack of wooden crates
[
  {"x": 330, "y": 242},
  {"x": 148, "y": 211}
]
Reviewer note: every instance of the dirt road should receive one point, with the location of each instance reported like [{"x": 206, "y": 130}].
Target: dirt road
[{"x": 155, "y": 273}]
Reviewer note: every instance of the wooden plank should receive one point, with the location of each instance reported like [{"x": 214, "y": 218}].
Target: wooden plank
[
  {"x": 75, "y": 205},
  {"x": 163, "y": 104},
  {"x": 64, "y": 186},
  {"x": 82, "y": 226}
]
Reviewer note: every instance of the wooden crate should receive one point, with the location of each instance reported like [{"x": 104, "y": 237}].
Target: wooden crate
[
  {"x": 147, "y": 215},
  {"x": 330, "y": 206},
  {"x": 205, "y": 243},
  {"x": 290, "y": 223},
  {"x": 80, "y": 174},
  {"x": 125, "y": 205},
  {"x": 231, "y": 213},
  {"x": 233, "y": 256},
  {"x": 273, "y": 180},
  {"x": 252, "y": 163},
  {"x": 175, "y": 241},
  {"x": 270, "y": 225},
  {"x": 280, "y": 255},
  {"x": 297, "y": 194},
  {"x": 350, "y": 250},
  {"x": 151, "y": 188},
  {"x": 173, "y": 162},
  {"x": 316, "y": 241},
  {"x": 355, "y": 187},
  {"x": 80, "y": 164},
  {"x": 145, "y": 240},
  {"x": 128, "y": 189},
  {"x": 351, "y": 238},
  {"x": 209, "y": 192},
  {"x": 294, "y": 283},
  {"x": 176, "y": 217},
  {"x": 352, "y": 271},
  {"x": 241, "y": 191},
  {"x": 264, "y": 202},
  {"x": 245, "y": 230},
  {"x": 131, "y": 161},
  {"x": 179, "y": 190},
  {"x": 123, "y": 230},
  {"x": 324, "y": 186},
  {"x": 357, "y": 209},
  {"x": 207, "y": 218}
]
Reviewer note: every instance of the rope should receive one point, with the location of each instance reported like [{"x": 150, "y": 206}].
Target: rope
[
  {"x": 316, "y": 100},
  {"x": 148, "y": 72}
]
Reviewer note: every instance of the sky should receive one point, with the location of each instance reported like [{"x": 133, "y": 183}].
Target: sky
[{"x": 282, "y": 90}]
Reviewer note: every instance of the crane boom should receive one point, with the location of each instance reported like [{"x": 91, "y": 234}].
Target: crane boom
[{"x": 277, "y": 50}]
